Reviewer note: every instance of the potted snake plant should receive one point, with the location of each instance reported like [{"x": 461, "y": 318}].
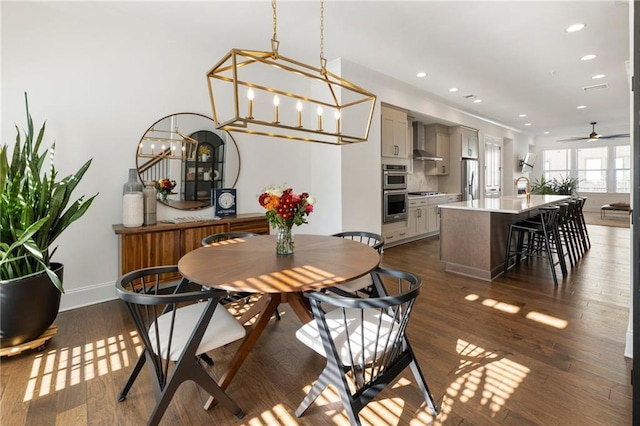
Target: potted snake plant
[{"x": 35, "y": 209}]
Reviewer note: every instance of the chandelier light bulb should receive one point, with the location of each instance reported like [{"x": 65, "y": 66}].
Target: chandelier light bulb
[
  {"x": 299, "y": 108},
  {"x": 276, "y": 103},
  {"x": 319, "y": 110},
  {"x": 337, "y": 116},
  {"x": 152, "y": 146},
  {"x": 250, "y": 96}
]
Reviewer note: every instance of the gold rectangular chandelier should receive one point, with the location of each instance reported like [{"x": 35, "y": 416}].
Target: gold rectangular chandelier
[{"x": 263, "y": 93}]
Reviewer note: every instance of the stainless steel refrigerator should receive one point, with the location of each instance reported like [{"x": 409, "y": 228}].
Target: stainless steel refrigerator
[{"x": 469, "y": 179}]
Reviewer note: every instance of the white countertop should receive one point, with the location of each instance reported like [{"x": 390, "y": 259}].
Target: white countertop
[
  {"x": 512, "y": 205},
  {"x": 442, "y": 194}
]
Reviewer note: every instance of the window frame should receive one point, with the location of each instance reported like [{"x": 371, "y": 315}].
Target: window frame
[{"x": 611, "y": 184}]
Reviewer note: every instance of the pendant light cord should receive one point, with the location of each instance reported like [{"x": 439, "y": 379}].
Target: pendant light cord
[
  {"x": 323, "y": 61},
  {"x": 274, "y": 38}
]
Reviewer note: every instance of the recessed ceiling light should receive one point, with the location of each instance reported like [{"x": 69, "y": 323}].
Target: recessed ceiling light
[
  {"x": 477, "y": 101},
  {"x": 581, "y": 106},
  {"x": 546, "y": 133},
  {"x": 421, "y": 74},
  {"x": 527, "y": 124},
  {"x": 575, "y": 27},
  {"x": 597, "y": 76},
  {"x": 522, "y": 115},
  {"x": 588, "y": 57},
  {"x": 453, "y": 89}
]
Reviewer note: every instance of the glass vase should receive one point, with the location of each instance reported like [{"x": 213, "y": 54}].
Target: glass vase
[{"x": 284, "y": 242}]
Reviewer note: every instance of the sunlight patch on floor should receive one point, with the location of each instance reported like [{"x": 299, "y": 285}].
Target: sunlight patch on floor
[
  {"x": 383, "y": 411},
  {"x": 513, "y": 309},
  {"x": 58, "y": 369},
  {"x": 277, "y": 415},
  {"x": 482, "y": 375},
  {"x": 547, "y": 319},
  {"x": 495, "y": 304}
]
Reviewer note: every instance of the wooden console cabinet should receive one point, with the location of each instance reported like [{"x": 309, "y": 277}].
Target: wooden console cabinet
[{"x": 166, "y": 243}]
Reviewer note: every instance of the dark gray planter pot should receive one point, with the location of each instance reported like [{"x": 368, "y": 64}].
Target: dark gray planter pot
[{"x": 28, "y": 306}]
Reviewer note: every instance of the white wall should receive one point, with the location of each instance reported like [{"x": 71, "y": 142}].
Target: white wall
[{"x": 100, "y": 78}]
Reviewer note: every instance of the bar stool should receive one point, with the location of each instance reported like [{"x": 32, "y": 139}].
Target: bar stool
[
  {"x": 583, "y": 224},
  {"x": 577, "y": 230},
  {"x": 535, "y": 237},
  {"x": 564, "y": 233}
]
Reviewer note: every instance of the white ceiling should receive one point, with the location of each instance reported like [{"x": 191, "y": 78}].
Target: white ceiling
[{"x": 514, "y": 55}]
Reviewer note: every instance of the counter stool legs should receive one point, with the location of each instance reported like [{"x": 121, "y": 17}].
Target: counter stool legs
[
  {"x": 582, "y": 223},
  {"x": 540, "y": 235}
]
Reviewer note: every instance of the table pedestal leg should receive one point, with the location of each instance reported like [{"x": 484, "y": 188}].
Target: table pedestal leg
[
  {"x": 254, "y": 310},
  {"x": 300, "y": 306},
  {"x": 273, "y": 300}
]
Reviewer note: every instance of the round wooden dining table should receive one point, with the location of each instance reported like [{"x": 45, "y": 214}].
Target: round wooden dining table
[{"x": 252, "y": 265}]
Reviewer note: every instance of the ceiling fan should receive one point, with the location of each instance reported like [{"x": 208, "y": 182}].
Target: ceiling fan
[{"x": 594, "y": 136}]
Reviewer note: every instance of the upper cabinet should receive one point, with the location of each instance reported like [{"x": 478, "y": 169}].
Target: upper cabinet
[
  {"x": 395, "y": 141},
  {"x": 437, "y": 142},
  {"x": 467, "y": 139}
]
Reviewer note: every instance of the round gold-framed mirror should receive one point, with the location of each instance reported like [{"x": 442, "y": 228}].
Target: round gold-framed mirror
[{"x": 188, "y": 150}]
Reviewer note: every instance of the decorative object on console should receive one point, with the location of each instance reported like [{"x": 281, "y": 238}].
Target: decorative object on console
[
  {"x": 285, "y": 209},
  {"x": 132, "y": 201},
  {"x": 150, "y": 204},
  {"x": 35, "y": 209},
  {"x": 224, "y": 200},
  {"x": 164, "y": 188},
  {"x": 279, "y": 109}
]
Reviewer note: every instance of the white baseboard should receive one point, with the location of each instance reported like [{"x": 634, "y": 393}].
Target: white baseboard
[{"x": 77, "y": 298}]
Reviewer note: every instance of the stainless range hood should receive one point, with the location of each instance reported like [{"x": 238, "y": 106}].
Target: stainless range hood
[{"x": 419, "y": 143}]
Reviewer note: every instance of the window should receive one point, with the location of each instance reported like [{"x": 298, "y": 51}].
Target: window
[
  {"x": 598, "y": 169},
  {"x": 592, "y": 169},
  {"x": 623, "y": 169},
  {"x": 555, "y": 164}
]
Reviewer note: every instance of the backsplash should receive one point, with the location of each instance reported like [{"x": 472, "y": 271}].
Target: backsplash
[{"x": 418, "y": 181}]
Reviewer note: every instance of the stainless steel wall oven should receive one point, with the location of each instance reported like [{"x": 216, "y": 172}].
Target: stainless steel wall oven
[
  {"x": 395, "y": 206},
  {"x": 395, "y": 200},
  {"x": 394, "y": 177}
]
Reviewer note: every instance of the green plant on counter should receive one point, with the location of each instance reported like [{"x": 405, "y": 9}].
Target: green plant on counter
[
  {"x": 564, "y": 186},
  {"x": 33, "y": 206}
]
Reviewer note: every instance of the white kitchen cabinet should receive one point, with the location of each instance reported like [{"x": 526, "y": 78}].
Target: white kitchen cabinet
[
  {"x": 467, "y": 139},
  {"x": 417, "y": 217},
  {"x": 434, "y": 219},
  {"x": 395, "y": 140},
  {"x": 452, "y": 183},
  {"x": 394, "y": 232},
  {"x": 433, "y": 224},
  {"x": 437, "y": 142}
]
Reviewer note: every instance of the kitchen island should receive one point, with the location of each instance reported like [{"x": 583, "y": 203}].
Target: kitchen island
[{"x": 473, "y": 234}]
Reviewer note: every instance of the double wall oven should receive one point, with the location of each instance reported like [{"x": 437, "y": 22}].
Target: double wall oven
[{"x": 395, "y": 201}]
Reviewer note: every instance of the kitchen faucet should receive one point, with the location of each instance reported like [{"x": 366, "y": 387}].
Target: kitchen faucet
[{"x": 528, "y": 190}]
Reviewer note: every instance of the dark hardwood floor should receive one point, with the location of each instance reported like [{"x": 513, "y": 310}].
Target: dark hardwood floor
[{"x": 516, "y": 352}]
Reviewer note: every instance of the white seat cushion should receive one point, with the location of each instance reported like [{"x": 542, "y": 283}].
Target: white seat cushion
[
  {"x": 356, "y": 285},
  {"x": 373, "y": 343},
  {"x": 223, "y": 329}
]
